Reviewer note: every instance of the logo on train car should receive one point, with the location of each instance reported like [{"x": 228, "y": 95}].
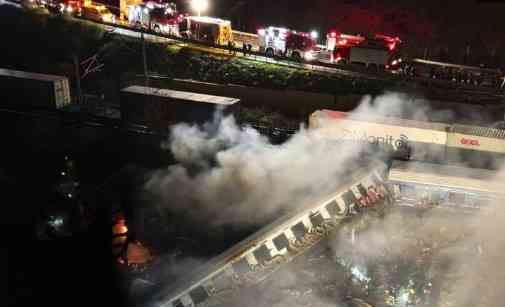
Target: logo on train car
[
  {"x": 471, "y": 142},
  {"x": 387, "y": 140}
]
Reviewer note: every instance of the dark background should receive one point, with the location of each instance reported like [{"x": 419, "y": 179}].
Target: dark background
[{"x": 462, "y": 31}]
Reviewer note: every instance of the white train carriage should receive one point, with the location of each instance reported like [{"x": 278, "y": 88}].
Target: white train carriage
[
  {"x": 251, "y": 260},
  {"x": 447, "y": 186},
  {"x": 408, "y": 139},
  {"x": 415, "y": 140}
]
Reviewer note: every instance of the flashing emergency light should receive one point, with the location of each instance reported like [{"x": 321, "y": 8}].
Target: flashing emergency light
[
  {"x": 314, "y": 34},
  {"x": 261, "y": 32},
  {"x": 333, "y": 34}
]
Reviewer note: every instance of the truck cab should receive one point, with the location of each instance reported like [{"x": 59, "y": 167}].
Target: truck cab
[
  {"x": 377, "y": 51},
  {"x": 207, "y": 29},
  {"x": 276, "y": 41}
]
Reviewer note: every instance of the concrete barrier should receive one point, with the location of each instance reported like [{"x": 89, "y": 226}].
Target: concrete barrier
[{"x": 290, "y": 102}]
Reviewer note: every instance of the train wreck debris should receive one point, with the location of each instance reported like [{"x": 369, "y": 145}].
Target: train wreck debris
[{"x": 254, "y": 259}]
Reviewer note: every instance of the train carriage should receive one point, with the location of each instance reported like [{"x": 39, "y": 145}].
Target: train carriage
[
  {"x": 415, "y": 140},
  {"x": 252, "y": 260},
  {"x": 407, "y": 139},
  {"x": 447, "y": 186}
]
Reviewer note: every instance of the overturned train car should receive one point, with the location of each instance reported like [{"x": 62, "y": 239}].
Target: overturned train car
[
  {"x": 420, "y": 184},
  {"x": 415, "y": 140},
  {"x": 253, "y": 259}
]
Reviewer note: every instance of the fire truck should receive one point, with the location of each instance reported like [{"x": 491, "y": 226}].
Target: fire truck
[
  {"x": 70, "y": 7},
  {"x": 379, "y": 51},
  {"x": 160, "y": 18},
  {"x": 275, "y": 41},
  {"x": 207, "y": 29}
]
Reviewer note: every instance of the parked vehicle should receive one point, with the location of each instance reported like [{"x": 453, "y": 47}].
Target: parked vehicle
[{"x": 282, "y": 42}]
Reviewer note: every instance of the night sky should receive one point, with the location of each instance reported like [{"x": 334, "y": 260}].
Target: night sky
[{"x": 437, "y": 25}]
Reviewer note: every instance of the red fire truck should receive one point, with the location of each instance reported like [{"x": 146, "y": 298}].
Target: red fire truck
[
  {"x": 379, "y": 51},
  {"x": 160, "y": 18},
  {"x": 275, "y": 41}
]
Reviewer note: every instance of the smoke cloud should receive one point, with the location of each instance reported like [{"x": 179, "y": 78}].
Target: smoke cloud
[{"x": 231, "y": 175}]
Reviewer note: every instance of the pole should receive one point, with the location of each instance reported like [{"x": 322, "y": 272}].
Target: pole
[
  {"x": 77, "y": 77},
  {"x": 144, "y": 58}
]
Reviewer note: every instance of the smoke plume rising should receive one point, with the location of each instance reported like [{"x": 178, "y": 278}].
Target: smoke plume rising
[{"x": 231, "y": 175}]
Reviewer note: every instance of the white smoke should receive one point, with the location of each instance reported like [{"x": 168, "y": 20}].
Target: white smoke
[
  {"x": 240, "y": 177},
  {"x": 231, "y": 175}
]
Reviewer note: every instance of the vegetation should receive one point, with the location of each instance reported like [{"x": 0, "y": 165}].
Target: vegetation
[
  {"x": 51, "y": 44},
  {"x": 204, "y": 67}
]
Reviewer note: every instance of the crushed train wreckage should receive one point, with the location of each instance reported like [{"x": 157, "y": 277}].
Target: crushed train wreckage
[{"x": 255, "y": 258}]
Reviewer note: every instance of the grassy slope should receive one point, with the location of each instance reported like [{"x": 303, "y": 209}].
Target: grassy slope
[{"x": 50, "y": 44}]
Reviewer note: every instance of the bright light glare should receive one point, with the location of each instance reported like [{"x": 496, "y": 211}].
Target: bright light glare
[
  {"x": 199, "y": 5},
  {"x": 261, "y": 32},
  {"x": 314, "y": 34}
]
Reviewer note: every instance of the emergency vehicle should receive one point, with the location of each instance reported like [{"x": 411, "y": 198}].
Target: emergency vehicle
[
  {"x": 160, "y": 18},
  {"x": 97, "y": 11},
  {"x": 206, "y": 29},
  {"x": 378, "y": 51},
  {"x": 71, "y": 7},
  {"x": 275, "y": 41}
]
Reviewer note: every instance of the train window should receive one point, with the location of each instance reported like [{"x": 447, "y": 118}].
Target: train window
[
  {"x": 281, "y": 241},
  {"x": 299, "y": 230},
  {"x": 407, "y": 190},
  {"x": 349, "y": 199},
  {"x": 316, "y": 219},
  {"x": 435, "y": 197},
  {"x": 333, "y": 208},
  {"x": 241, "y": 266},
  {"x": 198, "y": 295},
  {"x": 262, "y": 253},
  {"x": 276, "y": 33},
  {"x": 456, "y": 198}
]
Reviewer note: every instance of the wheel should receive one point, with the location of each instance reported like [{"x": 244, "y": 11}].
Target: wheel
[
  {"x": 296, "y": 57},
  {"x": 270, "y": 53}
]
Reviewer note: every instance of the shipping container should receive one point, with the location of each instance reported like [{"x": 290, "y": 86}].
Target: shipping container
[
  {"x": 160, "y": 108},
  {"x": 20, "y": 88}
]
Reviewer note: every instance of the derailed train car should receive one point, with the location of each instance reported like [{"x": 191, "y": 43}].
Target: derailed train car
[
  {"x": 415, "y": 140},
  {"x": 253, "y": 259},
  {"x": 444, "y": 186}
]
